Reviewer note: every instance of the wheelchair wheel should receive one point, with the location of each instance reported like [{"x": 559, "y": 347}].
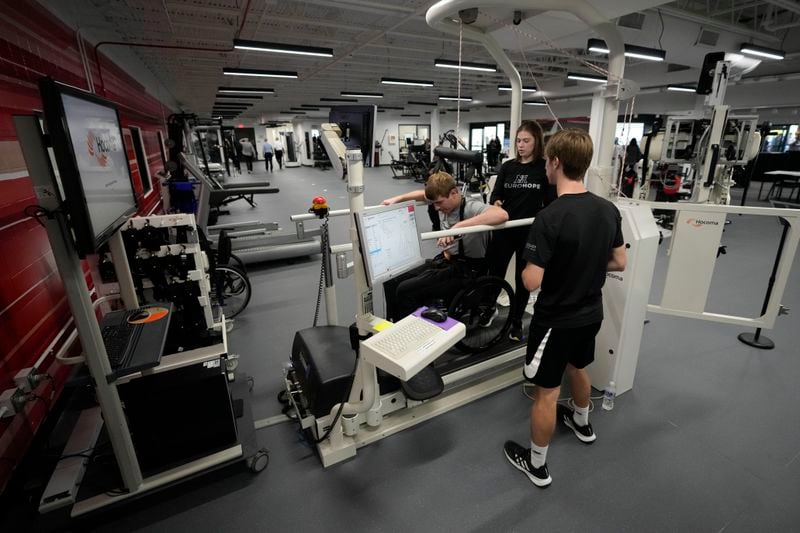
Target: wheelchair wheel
[
  {"x": 476, "y": 307},
  {"x": 230, "y": 289},
  {"x": 238, "y": 263}
]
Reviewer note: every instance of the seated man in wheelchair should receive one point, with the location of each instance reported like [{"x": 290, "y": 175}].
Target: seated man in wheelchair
[{"x": 461, "y": 259}]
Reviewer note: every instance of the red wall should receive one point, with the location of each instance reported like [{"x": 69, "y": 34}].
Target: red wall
[{"x": 33, "y": 306}]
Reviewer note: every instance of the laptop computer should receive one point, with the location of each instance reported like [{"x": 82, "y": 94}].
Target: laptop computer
[{"x": 135, "y": 338}]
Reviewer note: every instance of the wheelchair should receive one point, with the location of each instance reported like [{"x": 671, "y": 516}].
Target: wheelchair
[
  {"x": 230, "y": 287},
  {"x": 483, "y": 305},
  {"x": 481, "y": 302}
]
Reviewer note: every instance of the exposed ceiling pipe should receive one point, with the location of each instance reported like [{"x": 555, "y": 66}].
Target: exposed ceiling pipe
[
  {"x": 736, "y": 7},
  {"x": 244, "y": 18},
  {"x": 779, "y": 27},
  {"x": 348, "y": 53},
  {"x": 786, "y": 4},
  {"x": 773, "y": 26},
  {"x": 145, "y": 45},
  {"x": 84, "y": 60}
]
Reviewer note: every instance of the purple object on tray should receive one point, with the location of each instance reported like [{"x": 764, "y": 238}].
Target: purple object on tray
[{"x": 446, "y": 325}]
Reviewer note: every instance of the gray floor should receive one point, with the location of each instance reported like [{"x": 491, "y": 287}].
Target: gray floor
[{"x": 708, "y": 440}]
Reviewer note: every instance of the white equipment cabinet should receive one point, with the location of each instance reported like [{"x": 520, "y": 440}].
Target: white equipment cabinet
[{"x": 625, "y": 298}]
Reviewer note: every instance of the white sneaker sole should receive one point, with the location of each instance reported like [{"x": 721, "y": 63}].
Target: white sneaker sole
[
  {"x": 541, "y": 483},
  {"x": 581, "y": 436}
]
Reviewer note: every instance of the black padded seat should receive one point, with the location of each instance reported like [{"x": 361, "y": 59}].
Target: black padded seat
[{"x": 426, "y": 384}]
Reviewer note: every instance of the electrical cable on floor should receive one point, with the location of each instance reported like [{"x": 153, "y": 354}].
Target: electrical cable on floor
[{"x": 567, "y": 400}]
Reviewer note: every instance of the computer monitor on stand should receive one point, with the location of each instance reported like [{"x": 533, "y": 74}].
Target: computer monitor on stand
[
  {"x": 92, "y": 163},
  {"x": 390, "y": 246},
  {"x": 389, "y": 241}
]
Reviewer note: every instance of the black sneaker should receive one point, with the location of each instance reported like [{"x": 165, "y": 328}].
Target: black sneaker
[
  {"x": 487, "y": 317},
  {"x": 584, "y": 433},
  {"x": 520, "y": 458},
  {"x": 515, "y": 333}
]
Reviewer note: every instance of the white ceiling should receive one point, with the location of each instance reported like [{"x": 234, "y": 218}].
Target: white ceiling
[{"x": 376, "y": 38}]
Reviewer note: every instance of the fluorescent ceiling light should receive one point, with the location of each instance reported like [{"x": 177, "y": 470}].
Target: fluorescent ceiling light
[
  {"x": 409, "y": 115},
  {"x": 586, "y": 77},
  {"x": 481, "y": 67},
  {"x": 293, "y": 112},
  {"x": 456, "y": 98},
  {"x": 499, "y": 106},
  {"x": 338, "y": 100},
  {"x": 681, "y": 88},
  {"x": 631, "y": 50},
  {"x": 238, "y": 97},
  {"x": 315, "y": 107},
  {"x": 259, "y": 73},
  {"x": 244, "y": 90},
  {"x": 430, "y": 104},
  {"x": 762, "y": 51},
  {"x": 597, "y": 45},
  {"x": 361, "y": 95},
  {"x": 524, "y": 89},
  {"x": 533, "y": 103},
  {"x": 413, "y": 83},
  {"x": 390, "y": 107},
  {"x": 304, "y": 108},
  {"x": 278, "y": 48}
]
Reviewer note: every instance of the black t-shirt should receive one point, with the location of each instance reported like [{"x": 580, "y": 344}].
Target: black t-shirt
[
  {"x": 523, "y": 188},
  {"x": 572, "y": 241}
]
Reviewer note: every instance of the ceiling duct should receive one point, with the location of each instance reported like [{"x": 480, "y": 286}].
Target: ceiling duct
[
  {"x": 635, "y": 21},
  {"x": 707, "y": 37}
]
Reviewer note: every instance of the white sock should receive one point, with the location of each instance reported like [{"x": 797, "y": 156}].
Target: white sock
[
  {"x": 538, "y": 455},
  {"x": 581, "y": 415}
]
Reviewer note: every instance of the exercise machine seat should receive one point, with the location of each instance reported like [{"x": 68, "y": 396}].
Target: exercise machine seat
[{"x": 426, "y": 384}]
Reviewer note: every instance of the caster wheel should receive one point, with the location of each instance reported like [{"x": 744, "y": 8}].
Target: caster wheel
[
  {"x": 283, "y": 397},
  {"x": 258, "y": 461}
]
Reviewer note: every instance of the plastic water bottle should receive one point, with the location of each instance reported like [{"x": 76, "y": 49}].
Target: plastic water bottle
[{"x": 608, "y": 396}]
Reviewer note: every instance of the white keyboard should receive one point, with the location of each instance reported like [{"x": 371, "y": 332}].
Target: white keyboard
[{"x": 408, "y": 346}]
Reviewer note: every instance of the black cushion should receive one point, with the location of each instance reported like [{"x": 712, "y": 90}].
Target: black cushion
[{"x": 426, "y": 384}]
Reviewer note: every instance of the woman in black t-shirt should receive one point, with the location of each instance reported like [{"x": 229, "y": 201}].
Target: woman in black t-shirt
[{"x": 522, "y": 190}]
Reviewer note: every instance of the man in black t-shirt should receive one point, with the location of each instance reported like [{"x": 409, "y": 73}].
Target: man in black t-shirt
[{"x": 572, "y": 244}]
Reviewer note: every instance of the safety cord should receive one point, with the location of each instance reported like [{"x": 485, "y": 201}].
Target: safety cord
[
  {"x": 549, "y": 43},
  {"x": 458, "y": 97},
  {"x": 629, "y": 107},
  {"x": 536, "y": 83},
  {"x": 627, "y": 117},
  {"x": 323, "y": 273}
]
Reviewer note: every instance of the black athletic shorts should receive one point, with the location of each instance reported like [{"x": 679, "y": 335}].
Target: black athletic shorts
[{"x": 550, "y": 349}]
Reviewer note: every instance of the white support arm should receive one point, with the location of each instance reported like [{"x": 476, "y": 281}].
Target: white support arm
[{"x": 334, "y": 147}]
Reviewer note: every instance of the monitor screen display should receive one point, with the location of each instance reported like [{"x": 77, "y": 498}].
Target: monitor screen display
[
  {"x": 93, "y": 172},
  {"x": 390, "y": 242},
  {"x": 102, "y": 162}
]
